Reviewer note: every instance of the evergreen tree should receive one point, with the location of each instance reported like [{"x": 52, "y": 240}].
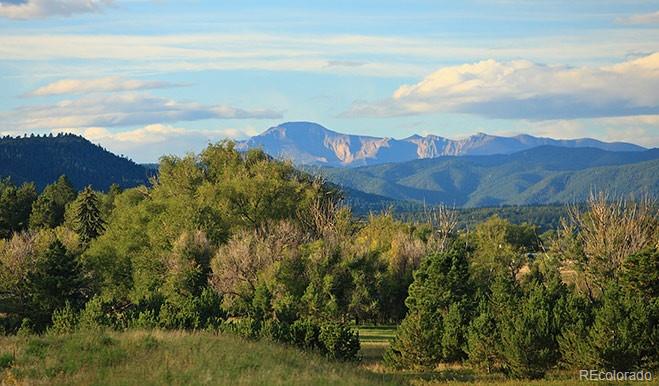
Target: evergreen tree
[
  {"x": 624, "y": 332},
  {"x": 88, "y": 222},
  {"x": 453, "y": 339},
  {"x": 528, "y": 337},
  {"x": 441, "y": 280},
  {"x": 15, "y": 205},
  {"x": 418, "y": 342},
  {"x": 483, "y": 339},
  {"x": 56, "y": 280},
  {"x": 48, "y": 209}
]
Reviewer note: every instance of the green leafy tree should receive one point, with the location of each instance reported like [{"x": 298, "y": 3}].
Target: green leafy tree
[{"x": 88, "y": 221}]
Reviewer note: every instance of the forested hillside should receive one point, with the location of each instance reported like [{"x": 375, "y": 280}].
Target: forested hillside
[
  {"x": 42, "y": 159},
  {"x": 542, "y": 175}
]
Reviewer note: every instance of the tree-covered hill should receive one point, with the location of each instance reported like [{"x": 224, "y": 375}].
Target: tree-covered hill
[
  {"x": 42, "y": 159},
  {"x": 538, "y": 176}
]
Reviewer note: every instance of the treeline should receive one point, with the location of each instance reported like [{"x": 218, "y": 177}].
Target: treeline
[{"x": 243, "y": 243}]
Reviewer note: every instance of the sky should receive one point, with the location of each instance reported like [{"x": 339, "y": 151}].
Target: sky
[{"x": 145, "y": 78}]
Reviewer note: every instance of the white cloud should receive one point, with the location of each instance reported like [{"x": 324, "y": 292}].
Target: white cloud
[
  {"x": 342, "y": 54},
  {"x": 527, "y": 90},
  {"x": 107, "y": 84},
  {"x": 124, "y": 109},
  {"x": 148, "y": 143},
  {"x": 642, "y": 18},
  {"x": 39, "y": 9}
]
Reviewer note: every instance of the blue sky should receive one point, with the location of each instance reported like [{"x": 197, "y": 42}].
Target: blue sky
[{"x": 145, "y": 78}]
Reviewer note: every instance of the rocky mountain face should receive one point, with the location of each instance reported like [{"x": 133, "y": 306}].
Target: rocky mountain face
[{"x": 308, "y": 143}]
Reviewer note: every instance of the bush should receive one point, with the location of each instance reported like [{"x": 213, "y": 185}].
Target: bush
[
  {"x": 339, "y": 341},
  {"x": 6, "y": 360},
  {"x": 96, "y": 314},
  {"x": 276, "y": 331},
  {"x": 418, "y": 342},
  {"x": 305, "y": 334},
  {"x": 248, "y": 328},
  {"x": 179, "y": 316},
  {"x": 147, "y": 320},
  {"x": 65, "y": 320}
]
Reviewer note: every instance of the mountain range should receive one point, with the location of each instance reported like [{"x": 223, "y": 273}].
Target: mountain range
[
  {"x": 308, "y": 143},
  {"x": 542, "y": 175},
  {"x": 469, "y": 177}
]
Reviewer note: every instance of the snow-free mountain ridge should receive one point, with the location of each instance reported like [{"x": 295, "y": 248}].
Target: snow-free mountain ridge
[{"x": 308, "y": 143}]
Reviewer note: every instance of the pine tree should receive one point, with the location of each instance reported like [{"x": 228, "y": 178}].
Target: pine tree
[
  {"x": 56, "y": 280},
  {"x": 528, "y": 336},
  {"x": 483, "y": 339},
  {"x": 453, "y": 339},
  {"x": 622, "y": 335},
  {"x": 418, "y": 342},
  {"x": 88, "y": 223},
  {"x": 441, "y": 280},
  {"x": 48, "y": 209}
]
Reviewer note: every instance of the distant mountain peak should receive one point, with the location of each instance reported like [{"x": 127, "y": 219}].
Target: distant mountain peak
[{"x": 311, "y": 143}]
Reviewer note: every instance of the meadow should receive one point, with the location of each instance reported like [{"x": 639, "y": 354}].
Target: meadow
[{"x": 159, "y": 357}]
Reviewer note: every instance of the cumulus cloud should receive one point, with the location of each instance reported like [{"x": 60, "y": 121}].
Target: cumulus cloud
[
  {"x": 643, "y": 18},
  {"x": 39, "y": 9},
  {"x": 124, "y": 109},
  {"x": 148, "y": 143},
  {"x": 527, "y": 90},
  {"x": 107, "y": 84}
]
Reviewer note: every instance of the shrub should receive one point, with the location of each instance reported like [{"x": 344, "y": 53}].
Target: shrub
[
  {"x": 418, "y": 342},
  {"x": 305, "y": 334},
  {"x": 65, "y": 320},
  {"x": 183, "y": 315},
  {"x": 276, "y": 331},
  {"x": 147, "y": 319},
  {"x": 6, "y": 360},
  {"x": 248, "y": 328},
  {"x": 95, "y": 314},
  {"x": 339, "y": 341}
]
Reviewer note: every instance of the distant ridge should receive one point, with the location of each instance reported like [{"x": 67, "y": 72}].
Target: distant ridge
[
  {"x": 42, "y": 159},
  {"x": 542, "y": 175},
  {"x": 308, "y": 143}
]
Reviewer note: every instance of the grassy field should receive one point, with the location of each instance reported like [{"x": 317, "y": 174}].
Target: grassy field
[
  {"x": 184, "y": 358},
  {"x": 375, "y": 340},
  {"x": 168, "y": 358}
]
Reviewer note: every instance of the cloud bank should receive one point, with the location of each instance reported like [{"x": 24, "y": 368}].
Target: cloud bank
[
  {"x": 107, "y": 84},
  {"x": 40, "y": 9},
  {"x": 527, "y": 90},
  {"x": 123, "y": 109}
]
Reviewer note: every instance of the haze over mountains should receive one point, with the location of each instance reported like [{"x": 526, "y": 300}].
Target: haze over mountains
[{"x": 308, "y": 143}]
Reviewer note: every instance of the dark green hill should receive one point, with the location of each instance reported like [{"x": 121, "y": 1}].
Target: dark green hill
[
  {"x": 43, "y": 159},
  {"x": 537, "y": 176}
]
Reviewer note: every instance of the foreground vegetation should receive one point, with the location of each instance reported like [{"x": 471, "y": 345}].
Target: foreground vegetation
[
  {"x": 168, "y": 358},
  {"x": 245, "y": 245}
]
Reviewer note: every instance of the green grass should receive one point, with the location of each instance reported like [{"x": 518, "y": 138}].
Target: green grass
[
  {"x": 375, "y": 340},
  {"x": 170, "y": 358},
  {"x": 184, "y": 358}
]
